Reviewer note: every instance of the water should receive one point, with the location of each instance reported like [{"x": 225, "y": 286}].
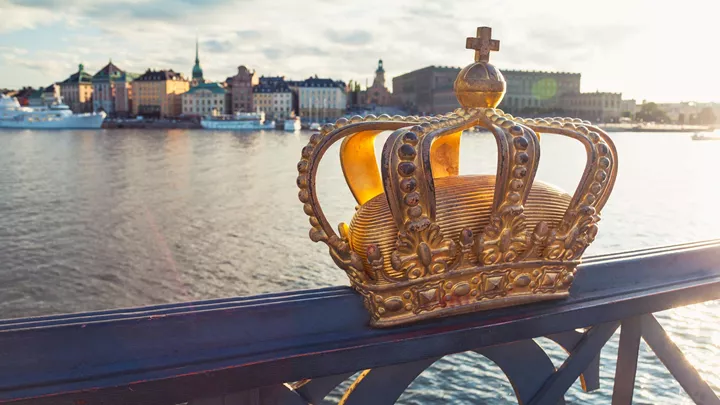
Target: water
[{"x": 94, "y": 220}]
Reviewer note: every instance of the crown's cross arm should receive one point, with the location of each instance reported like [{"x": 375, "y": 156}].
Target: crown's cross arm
[{"x": 483, "y": 44}]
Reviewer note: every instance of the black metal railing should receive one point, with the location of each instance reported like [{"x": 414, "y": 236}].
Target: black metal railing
[{"x": 296, "y": 347}]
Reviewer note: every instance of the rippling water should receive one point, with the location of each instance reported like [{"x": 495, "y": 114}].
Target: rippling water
[{"x": 104, "y": 219}]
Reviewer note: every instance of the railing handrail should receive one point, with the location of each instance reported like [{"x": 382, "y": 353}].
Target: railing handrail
[{"x": 169, "y": 353}]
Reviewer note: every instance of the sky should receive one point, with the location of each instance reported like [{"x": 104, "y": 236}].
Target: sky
[{"x": 654, "y": 50}]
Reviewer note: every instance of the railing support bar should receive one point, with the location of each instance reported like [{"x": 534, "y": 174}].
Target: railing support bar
[
  {"x": 585, "y": 351},
  {"x": 626, "y": 367},
  {"x": 676, "y": 363}
]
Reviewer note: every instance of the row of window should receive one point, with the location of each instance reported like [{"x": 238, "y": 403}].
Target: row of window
[
  {"x": 267, "y": 102},
  {"x": 276, "y": 109},
  {"x": 199, "y": 110},
  {"x": 202, "y": 102},
  {"x": 596, "y": 103}
]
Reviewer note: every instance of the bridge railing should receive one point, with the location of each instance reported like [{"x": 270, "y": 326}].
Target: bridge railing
[{"x": 296, "y": 347}]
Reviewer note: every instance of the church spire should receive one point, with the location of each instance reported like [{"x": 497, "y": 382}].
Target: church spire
[
  {"x": 197, "y": 72},
  {"x": 197, "y": 51}
]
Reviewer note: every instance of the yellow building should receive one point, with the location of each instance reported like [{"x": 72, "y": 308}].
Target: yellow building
[
  {"x": 76, "y": 91},
  {"x": 204, "y": 99},
  {"x": 157, "y": 93}
]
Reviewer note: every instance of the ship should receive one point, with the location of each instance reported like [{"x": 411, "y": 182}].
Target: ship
[
  {"x": 292, "y": 124},
  {"x": 705, "y": 137},
  {"x": 237, "y": 121},
  {"x": 55, "y": 116}
]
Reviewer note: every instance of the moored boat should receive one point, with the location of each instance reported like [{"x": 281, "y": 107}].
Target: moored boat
[
  {"x": 55, "y": 116},
  {"x": 705, "y": 137},
  {"x": 238, "y": 121},
  {"x": 292, "y": 124}
]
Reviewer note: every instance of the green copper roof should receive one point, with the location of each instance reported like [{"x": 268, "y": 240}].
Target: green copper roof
[
  {"x": 80, "y": 77},
  {"x": 214, "y": 88}
]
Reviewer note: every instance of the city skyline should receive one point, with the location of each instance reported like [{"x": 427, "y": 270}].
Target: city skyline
[{"x": 43, "y": 41}]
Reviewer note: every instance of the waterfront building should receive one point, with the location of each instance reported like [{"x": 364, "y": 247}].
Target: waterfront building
[
  {"x": 320, "y": 100},
  {"x": 378, "y": 94},
  {"x": 204, "y": 99},
  {"x": 157, "y": 93},
  {"x": 430, "y": 91},
  {"x": 124, "y": 94},
  {"x": 50, "y": 94},
  {"x": 536, "y": 92},
  {"x": 690, "y": 112},
  {"x": 274, "y": 97},
  {"x": 373, "y": 96},
  {"x": 197, "y": 72},
  {"x": 240, "y": 86},
  {"x": 105, "y": 88},
  {"x": 427, "y": 91},
  {"x": 596, "y": 107},
  {"x": 35, "y": 98},
  {"x": 628, "y": 108},
  {"x": 76, "y": 91}
]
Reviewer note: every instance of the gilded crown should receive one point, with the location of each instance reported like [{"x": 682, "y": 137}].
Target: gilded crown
[{"x": 426, "y": 242}]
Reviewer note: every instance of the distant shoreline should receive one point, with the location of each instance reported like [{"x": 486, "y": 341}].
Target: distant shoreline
[
  {"x": 637, "y": 127},
  {"x": 622, "y": 127}
]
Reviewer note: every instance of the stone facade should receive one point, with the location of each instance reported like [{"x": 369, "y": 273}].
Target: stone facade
[
  {"x": 204, "y": 99},
  {"x": 76, "y": 91},
  {"x": 320, "y": 100},
  {"x": 427, "y": 91},
  {"x": 105, "y": 89},
  {"x": 595, "y": 107},
  {"x": 274, "y": 97},
  {"x": 157, "y": 93},
  {"x": 240, "y": 98},
  {"x": 535, "y": 93},
  {"x": 124, "y": 94}
]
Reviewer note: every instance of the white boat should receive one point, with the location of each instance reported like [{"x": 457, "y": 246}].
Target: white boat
[
  {"x": 56, "y": 116},
  {"x": 315, "y": 126},
  {"x": 292, "y": 124},
  {"x": 237, "y": 121},
  {"x": 705, "y": 137}
]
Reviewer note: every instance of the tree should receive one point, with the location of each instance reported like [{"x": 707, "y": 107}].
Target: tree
[{"x": 650, "y": 112}]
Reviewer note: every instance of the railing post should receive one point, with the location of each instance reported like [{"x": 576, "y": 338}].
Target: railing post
[{"x": 627, "y": 362}]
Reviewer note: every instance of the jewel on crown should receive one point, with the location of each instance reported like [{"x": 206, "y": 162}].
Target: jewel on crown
[{"x": 426, "y": 242}]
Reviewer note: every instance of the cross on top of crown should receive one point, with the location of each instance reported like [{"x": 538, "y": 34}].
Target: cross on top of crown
[{"x": 483, "y": 44}]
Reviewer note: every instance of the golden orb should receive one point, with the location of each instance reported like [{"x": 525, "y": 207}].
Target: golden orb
[{"x": 480, "y": 85}]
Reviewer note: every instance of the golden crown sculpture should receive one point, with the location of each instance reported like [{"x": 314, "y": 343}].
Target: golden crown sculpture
[{"x": 426, "y": 242}]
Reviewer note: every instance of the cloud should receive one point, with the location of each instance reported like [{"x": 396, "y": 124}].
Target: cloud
[
  {"x": 345, "y": 40},
  {"x": 349, "y": 37},
  {"x": 248, "y": 34},
  {"x": 217, "y": 46}
]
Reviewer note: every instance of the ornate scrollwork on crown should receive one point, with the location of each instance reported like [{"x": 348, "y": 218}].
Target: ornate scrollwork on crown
[
  {"x": 421, "y": 248},
  {"x": 578, "y": 228},
  {"x": 311, "y": 154},
  {"x": 505, "y": 239}
]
